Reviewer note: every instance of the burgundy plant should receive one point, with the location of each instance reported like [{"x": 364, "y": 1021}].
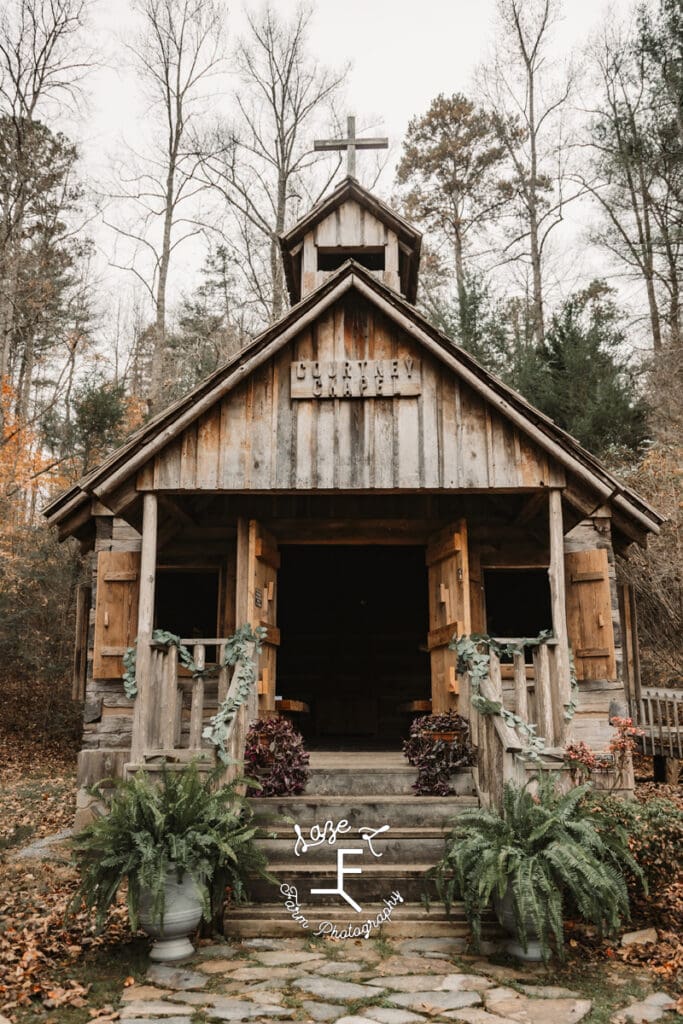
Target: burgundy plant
[
  {"x": 275, "y": 757},
  {"x": 434, "y": 758}
]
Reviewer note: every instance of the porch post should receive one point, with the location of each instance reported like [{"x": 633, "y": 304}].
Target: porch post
[
  {"x": 148, "y": 559},
  {"x": 558, "y": 599}
]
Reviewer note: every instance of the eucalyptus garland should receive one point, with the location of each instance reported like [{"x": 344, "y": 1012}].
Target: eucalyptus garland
[
  {"x": 162, "y": 638},
  {"x": 474, "y": 657},
  {"x": 242, "y": 650}
]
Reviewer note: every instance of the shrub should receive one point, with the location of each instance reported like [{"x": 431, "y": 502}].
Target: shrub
[
  {"x": 548, "y": 854},
  {"x": 434, "y": 758},
  {"x": 276, "y": 758},
  {"x": 180, "y": 822},
  {"x": 655, "y": 837}
]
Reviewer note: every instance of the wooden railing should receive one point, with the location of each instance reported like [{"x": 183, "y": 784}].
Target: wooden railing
[
  {"x": 659, "y": 713},
  {"x": 179, "y": 703},
  {"x": 537, "y": 701}
]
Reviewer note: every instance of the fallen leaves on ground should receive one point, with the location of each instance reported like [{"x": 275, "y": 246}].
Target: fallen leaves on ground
[{"x": 40, "y": 943}]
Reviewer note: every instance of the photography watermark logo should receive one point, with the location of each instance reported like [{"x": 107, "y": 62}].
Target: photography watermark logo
[{"x": 329, "y": 834}]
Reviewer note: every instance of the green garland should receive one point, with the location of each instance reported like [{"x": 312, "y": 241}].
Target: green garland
[
  {"x": 475, "y": 661},
  {"x": 165, "y": 639},
  {"x": 241, "y": 649}
]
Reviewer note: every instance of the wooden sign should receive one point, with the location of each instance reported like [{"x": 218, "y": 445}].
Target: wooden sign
[{"x": 356, "y": 378}]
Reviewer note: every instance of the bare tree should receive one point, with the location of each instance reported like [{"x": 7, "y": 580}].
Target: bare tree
[
  {"x": 636, "y": 172},
  {"x": 528, "y": 98},
  {"x": 262, "y": 163},
  {"x": 180, "y": 47},
  {"x": 41, "y": 64}
]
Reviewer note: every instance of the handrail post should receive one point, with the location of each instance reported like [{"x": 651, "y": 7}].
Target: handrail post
[
  {"x": 169, "y": 697},
  {"x": 562, "y": 696},
  {"x": 144, "y": 706},
  {"x": 521, "y": 692},
  {"x": 197, "y": 709},
  {"x": 544, "y": 703}
]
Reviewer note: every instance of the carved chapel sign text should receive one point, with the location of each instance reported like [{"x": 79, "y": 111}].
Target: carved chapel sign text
[{"x": 356, "y": 378}]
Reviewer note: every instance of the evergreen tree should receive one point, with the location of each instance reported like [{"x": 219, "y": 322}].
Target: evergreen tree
[
  {"x": 582, "y": 379},
  {"x": 451, "y": 167},
  {"x": 473, "y": 318}
]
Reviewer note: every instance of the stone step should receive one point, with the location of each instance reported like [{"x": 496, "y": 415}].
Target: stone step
[
  {"x": 373, "y": 811},
  {"x": 407, "y": 845},
  {"x": 408, "y": 921},
  {"x": 375, "y": 882},
  {"x": 377, "y": 780}
]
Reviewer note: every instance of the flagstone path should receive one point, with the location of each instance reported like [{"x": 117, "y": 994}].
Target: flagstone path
[{"x": 353, "y": 983}]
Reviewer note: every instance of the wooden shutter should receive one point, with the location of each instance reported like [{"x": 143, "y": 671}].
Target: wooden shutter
[
  {"x": 449, "y": 609},
  {"x": 589, "y": 613},
  {"x": 116, "y": 610},
  {"x": 262, "y": 564},
  {"x": 80, "y": 664}
]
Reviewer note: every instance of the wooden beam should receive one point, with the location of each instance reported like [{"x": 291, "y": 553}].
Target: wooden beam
[
  {"x": 144, "y": 707},
  {"x": 557, "y": 596},
  {"x": 178, "y": 510},
  {"x": 530, "y": 509}
]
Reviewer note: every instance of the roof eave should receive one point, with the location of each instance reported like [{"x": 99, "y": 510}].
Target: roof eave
[{"x": 155, "y": 434}]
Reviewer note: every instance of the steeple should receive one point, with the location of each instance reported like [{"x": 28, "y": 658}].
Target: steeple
[{"x": 351, "y": 224}]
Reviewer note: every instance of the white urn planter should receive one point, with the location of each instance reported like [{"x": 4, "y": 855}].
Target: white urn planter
[
  {"x": 182, "y": 914},
  {"x": 506, "y": 916}
]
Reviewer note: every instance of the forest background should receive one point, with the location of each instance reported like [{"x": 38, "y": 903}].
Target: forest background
[{"x": 551, "y": 199}]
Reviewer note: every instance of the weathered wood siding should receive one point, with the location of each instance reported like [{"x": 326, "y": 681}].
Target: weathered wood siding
[
  {"x": 259, "y": 439},
  {"x": 349, "y": 226}
]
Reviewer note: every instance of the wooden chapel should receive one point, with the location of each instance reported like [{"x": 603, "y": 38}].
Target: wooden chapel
[{"x": 360, "y": 486}]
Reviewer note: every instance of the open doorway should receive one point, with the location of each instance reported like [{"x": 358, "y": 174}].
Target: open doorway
[{"x": 353, "y": 624}]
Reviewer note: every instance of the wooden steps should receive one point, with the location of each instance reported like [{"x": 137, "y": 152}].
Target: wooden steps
[
  {"x": 408, "y": 921},
  {"x": 372, "y": 792}
]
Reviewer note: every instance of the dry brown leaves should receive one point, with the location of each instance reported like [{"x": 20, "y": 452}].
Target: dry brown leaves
[
  {"x": 662, "y": 911},
  {"x": 39, "y": 942}
]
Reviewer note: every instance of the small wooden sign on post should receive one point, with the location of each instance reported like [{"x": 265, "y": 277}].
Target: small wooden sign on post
[{"x": 356, "y": 378}]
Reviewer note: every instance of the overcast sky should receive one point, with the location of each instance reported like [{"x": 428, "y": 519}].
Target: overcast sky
[{"x": 402, "y": 54}]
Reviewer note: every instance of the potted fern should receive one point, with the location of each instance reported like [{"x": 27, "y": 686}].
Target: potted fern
[
  {"x": 178, "y": 842},
  {"x": 544, "y": 854}
]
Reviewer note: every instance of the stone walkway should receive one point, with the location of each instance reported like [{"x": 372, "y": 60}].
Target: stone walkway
[{"x": 355, "y": 983}]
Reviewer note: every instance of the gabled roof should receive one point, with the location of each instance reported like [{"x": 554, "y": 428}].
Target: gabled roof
[
  {"x": 124, "y": 463},
  {"x": 409, "y": 238}
]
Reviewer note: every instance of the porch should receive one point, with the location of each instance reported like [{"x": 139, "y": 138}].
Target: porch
[{"x": 521, "y": 535}]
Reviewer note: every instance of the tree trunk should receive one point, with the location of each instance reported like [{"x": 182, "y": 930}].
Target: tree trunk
[
  {"x": 655, "y": 323},
  {"x": 276, "y": 272},
  {"x": 460, "y": 283},
  {"x": 532, "y": 205},
  {"x": 159, "y": 350},
  {"x": 25, "y": 381},
  {"x": 8, "y": 288}
]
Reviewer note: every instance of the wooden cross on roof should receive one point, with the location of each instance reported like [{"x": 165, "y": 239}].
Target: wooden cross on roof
[{"x": 351, "y": 144}]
